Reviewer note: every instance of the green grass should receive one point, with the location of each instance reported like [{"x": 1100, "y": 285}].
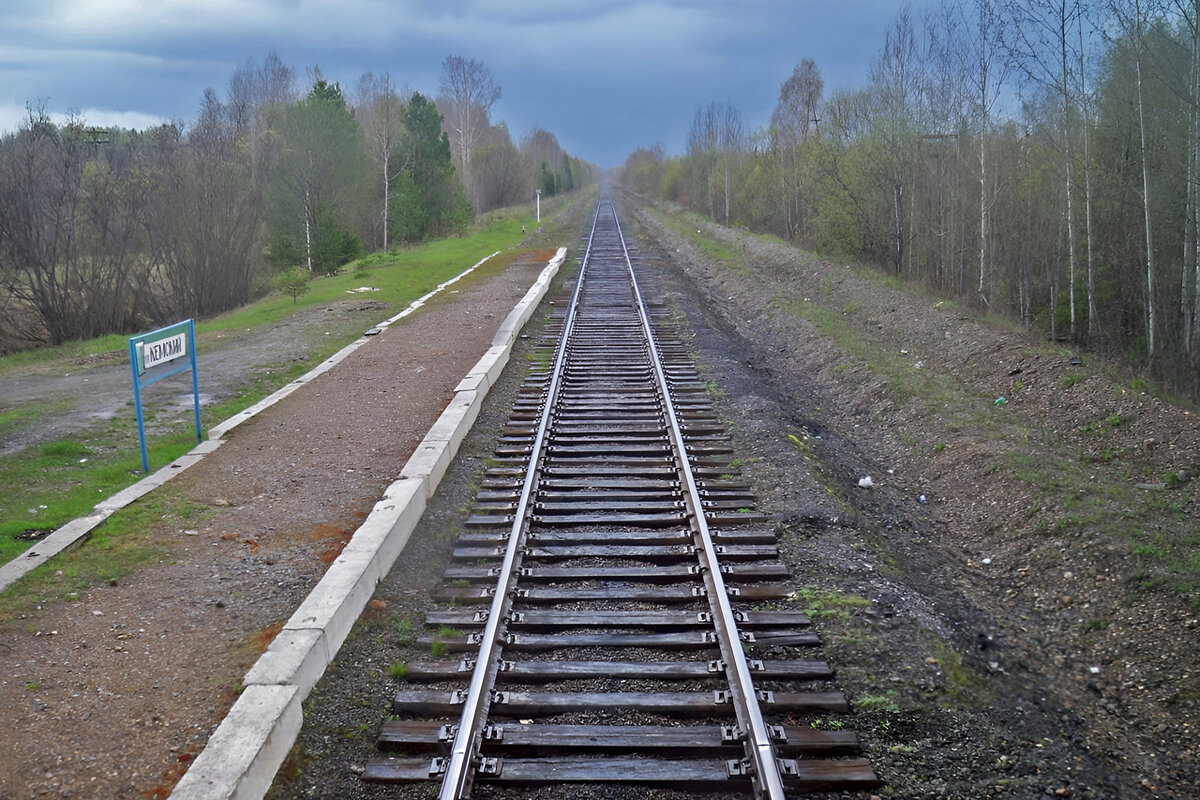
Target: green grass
[
  {"x": 13, "y": 419},
  {"x": 888, "y": 701},
  {"x": 406, "y": 632},
  {"x": 401, "y": 276},
  {"x": 61, "y": 480},
  {"x": 438, "y": 647},
  {"x": 1115, "y": 510},
  {"x": 49, "y": 485},
  {"x": 119, "y": 547},
  {"x": 706, "y": 245}
]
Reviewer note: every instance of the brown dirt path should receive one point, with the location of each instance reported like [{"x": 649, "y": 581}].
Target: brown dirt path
[{"x": 111, "y": 694}]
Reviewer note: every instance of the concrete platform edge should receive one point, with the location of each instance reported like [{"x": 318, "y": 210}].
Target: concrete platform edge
[
  {"x": 70, "y": 534},
  {"x": 245, "y": 752}
]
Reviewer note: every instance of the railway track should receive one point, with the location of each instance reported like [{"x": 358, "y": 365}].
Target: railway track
[{"x": 616, "y": 612}]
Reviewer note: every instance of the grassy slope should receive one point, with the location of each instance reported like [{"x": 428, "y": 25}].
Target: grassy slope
[{"x": 48, "y": 485}]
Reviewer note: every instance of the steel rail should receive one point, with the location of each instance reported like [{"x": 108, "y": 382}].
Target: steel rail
[
  {"x": 460, "y": 769},
  {"x": 766, "y": 776}
]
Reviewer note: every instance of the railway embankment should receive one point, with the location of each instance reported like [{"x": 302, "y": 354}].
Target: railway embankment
[{"x": 1028, "y": 546}]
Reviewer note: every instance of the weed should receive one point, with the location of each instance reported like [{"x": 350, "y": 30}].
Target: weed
[
  {"x": 963, "y": 684},
  {"x": 64, "y": 448},
  {"x": 830, "y": 604},
  {"x": 406, "y": 633},
  {"x": 827, "y": 724},
  {"x": 1070, "y": 380},
  {"x": 879, "y": 702},
  {"x": 398, "y": 670},
  {"x": 439, "y": 647},
  {"x": 33, "y": 687}
]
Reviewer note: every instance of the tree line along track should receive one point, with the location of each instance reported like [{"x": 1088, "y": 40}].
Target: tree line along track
[{"x": 616, "y": 609}]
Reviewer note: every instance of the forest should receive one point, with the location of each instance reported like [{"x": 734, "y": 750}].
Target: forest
[
  {"x": 1034, "y": 159},
  {"x": 114, "y": 231}
]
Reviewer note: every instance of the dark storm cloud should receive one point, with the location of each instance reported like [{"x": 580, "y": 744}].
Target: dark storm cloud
[{"x": 606, "y": 77}]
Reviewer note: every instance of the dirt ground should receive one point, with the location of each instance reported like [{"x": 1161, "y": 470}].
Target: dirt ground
[{"x": 1004, "y": 649}]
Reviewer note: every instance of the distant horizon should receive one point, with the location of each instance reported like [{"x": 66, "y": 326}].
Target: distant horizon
[{"x": 605, "y": 78}]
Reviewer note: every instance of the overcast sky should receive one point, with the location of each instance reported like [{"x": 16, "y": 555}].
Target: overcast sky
[{"x": 605, "y": 76}]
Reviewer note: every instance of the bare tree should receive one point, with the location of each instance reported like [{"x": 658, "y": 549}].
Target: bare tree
[
  {"x": 1187, "y": 89},
  {"x": 500, "y": 178},
  {"x": 987, "y": 78},
  {"x": 468, "y": 93},
  {"x": 1132, "y": 20},
  {"x": 1191, "y": 239},
  {"x": 794, "y": 117},
  {"x": 543, "y": 154},
  {"x": 257, "y": 97},
  {"x": 202, "y": 224},
  {"x": 70, "y": 235},
  {"x": 946, "y": 112},
  {"x": 896, "y": 77}
]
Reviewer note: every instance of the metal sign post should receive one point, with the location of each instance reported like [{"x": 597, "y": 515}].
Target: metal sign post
[{"x": 161, "y": 354}]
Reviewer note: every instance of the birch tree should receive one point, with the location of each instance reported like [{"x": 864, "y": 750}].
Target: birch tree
[
  {"x": 794, "y": 117},
  {"x": 1043, "y": 45},
  {"x": 379, "y": 110},
  {"x": 1131, "y": 21},
  {"x": 718, "y": 134},
  {"x": 468, "y": 93},
  {"x": 320, "y": 166}
]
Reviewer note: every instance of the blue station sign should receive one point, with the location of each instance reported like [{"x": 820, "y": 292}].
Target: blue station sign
[{"x": 160, "y": 354}]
